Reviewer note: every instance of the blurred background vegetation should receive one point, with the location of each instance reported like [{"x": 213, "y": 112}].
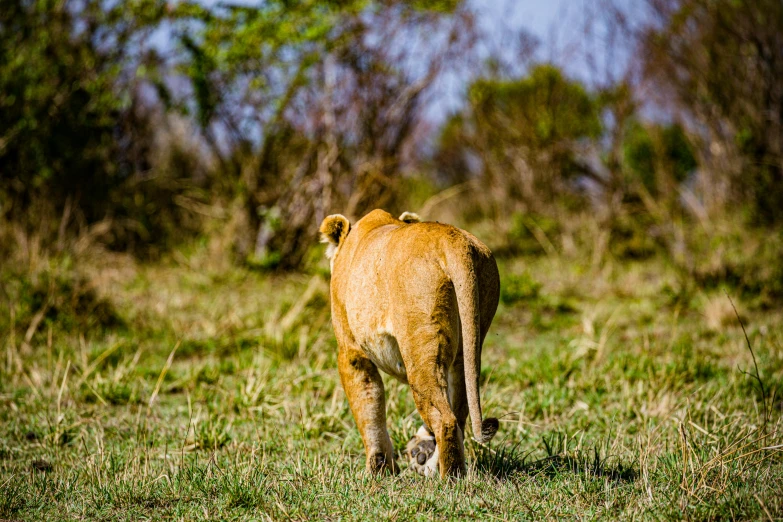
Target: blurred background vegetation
[{"x": 143, "y": 125}]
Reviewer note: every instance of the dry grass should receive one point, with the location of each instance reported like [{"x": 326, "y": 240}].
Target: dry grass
[{"x": 216, "y": 395}]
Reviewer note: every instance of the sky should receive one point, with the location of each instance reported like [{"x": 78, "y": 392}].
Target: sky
[
  {"x": 536, "y": 16},
  {"x": 558, "y": 26}
]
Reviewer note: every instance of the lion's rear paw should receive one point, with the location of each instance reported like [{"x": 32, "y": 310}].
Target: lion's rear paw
[{"x": 422, "y": 453}]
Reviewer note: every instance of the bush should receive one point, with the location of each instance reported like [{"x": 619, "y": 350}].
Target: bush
[
  {"x": 515, "y": 288},
  {"x": 57, "y": 297}
]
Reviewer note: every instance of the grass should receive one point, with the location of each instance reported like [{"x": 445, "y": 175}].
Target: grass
[{"x": 212, "y": 393}]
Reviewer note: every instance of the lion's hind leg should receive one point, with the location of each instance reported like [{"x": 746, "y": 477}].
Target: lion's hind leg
[
  {"x": 430, "y": 392},
  {"x": 421, "y": 451}
]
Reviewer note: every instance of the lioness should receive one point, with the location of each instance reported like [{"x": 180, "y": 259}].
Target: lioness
[{"x": 414, "y": 299}]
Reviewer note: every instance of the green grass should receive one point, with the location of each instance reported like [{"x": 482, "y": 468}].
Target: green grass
[{"x": 212, "y": 393}]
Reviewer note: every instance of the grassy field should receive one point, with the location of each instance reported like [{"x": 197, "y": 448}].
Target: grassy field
[{"x": 190, "y": 389}]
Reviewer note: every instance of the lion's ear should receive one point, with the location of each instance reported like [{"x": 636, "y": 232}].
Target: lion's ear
[
  {"x": 410, "y": 217},
  {"x": 333, "y": 230}
]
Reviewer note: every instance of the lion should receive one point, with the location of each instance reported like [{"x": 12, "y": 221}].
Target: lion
[{"x": 415, "y": 300}]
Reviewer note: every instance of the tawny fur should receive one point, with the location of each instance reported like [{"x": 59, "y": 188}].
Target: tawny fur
[{"x": 415, "y": 300}]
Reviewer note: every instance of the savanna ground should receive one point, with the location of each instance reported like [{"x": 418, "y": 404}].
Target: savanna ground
[{"x": 193, "y": 389}]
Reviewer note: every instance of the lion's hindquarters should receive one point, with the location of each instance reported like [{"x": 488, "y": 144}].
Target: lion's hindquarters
[{"x": 418, "y": 284}]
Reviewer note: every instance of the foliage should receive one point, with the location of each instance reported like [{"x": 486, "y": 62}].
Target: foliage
[
  {"x": 525, "y": 132},
  {"x": 659, "y": 156},
  {"x": 519, "y": 288},
  {"x": 260, "y": 120},
  {"x": 309, "y": 107},
  {"x": 58, "y": 104},
  {"x": 301, "y": 108},
  {"x": 77, "y": 143},
  {"x": 721, "y": 62},
  {"x": 546, "y": 107},
  {"x": 532, "y": 234}
]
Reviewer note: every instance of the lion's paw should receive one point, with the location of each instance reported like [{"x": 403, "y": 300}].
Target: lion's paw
[{"x": 422, "y": 453}]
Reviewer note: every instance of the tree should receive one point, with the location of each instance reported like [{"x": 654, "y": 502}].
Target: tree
[
  {"x": 526, "y": 132},
  {"x": 71, "y": 130},
  {"x": 721, "y": 64},
  {"x": 659, "y": 157},
  {"x": 310, "y": 105}
]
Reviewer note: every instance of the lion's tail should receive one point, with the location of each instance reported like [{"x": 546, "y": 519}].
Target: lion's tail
[{"x": 463, "y": 275}]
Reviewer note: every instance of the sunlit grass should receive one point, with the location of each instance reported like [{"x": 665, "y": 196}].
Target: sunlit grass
[{"x": 620, "y": 396}]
